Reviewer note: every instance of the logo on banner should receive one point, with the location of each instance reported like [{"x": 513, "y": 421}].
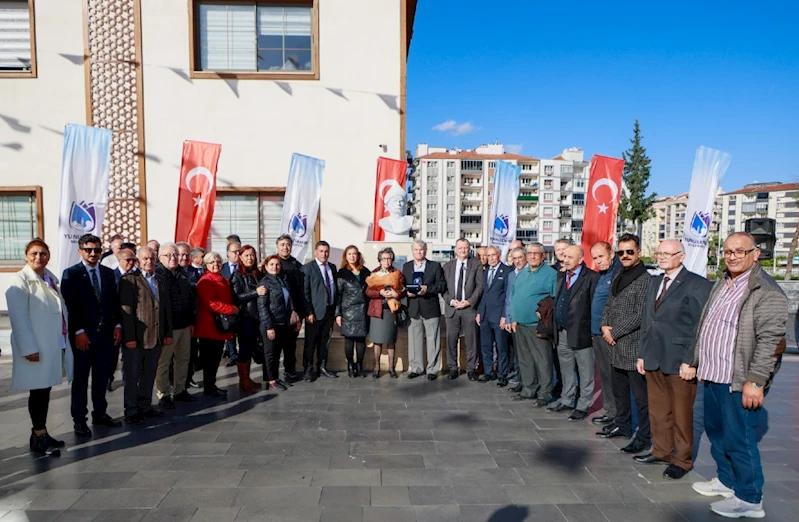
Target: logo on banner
[
  {"x": 502, "y": 225},
  {"x": 299, "y": 224},
  {"x": 700, "y": 223},
  {"x": 82, "y": 217}
]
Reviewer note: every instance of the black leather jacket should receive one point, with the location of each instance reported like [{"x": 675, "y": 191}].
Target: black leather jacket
[
  {"x": 352, "y": 303},
  {"x": 272, "y": 309},
  {"x": 243, "y": 287}
]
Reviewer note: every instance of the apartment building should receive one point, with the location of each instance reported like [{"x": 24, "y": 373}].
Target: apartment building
[
  {"x": 453, "y": 195},
  {"x": 669, "y": 221},
  {"x": 263, "y": 78}
]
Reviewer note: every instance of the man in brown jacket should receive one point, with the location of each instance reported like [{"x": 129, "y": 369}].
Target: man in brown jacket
[{"x": 146, "y": 328}]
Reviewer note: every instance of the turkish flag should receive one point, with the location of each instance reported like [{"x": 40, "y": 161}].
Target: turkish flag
[
  {"x": 601, "y": 203},
  {"x": 196, "y": 192},
  {"x": 389, "y": 186}
]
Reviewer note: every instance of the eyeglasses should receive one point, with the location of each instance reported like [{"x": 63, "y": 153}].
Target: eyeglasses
[
  {"x": 90, "y": 250},
  {"x": 386, "y": 259},
  {"x": 629, "y": 252},
  {"x": 233, "y": 251},
  {"x": 666, "y": 254},
  {"x": 169, "y": 255},
  {"x": 738, "y": 253}
]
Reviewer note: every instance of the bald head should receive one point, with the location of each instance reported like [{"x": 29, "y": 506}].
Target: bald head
[{"x": 572, "y": 257}]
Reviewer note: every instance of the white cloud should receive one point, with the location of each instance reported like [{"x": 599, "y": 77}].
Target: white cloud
[
  {"x": 514, "y": 148},
  {"x": 454, "y": 128}
]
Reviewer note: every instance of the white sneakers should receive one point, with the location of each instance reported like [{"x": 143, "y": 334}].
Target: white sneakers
[
  {"x": 731, "y": 506},
  {"x": 713, "y": 488},
  {"x": 734, "y": 507}
]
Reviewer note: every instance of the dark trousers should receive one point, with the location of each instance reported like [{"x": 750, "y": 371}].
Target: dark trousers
[
  {"x": 210, "y": 356},
  {"x": 194, "y": 358},
  {"x": 248, "y": 332},
  {"x": 38, "y": 404},
  {"x": 463, "y": 323},
  {"x": 230, "y": 349},
  {"x": 623, "y": 380},
  {"x": 605, "y": 371},
  {"x": 317, "y": 338},
  {"x": 491, "y": 333},
  {"x": 272, "y": 349},
  {"x": 97, "y": 360},
  {"x": 139, "y": 367},
  {"x": 731, "y": 429},
  {"x": 671, "y": 416},
  {"x": 557, "y": 379},
  {"x": 290, "y": 353},
  {"x": 359, "y": 344}
]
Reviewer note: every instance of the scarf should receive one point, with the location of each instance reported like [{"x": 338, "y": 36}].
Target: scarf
[{"x": 626, "y": 277}]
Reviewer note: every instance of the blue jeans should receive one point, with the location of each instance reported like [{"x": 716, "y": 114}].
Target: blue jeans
[
  {"x": 731, "y": 430},
  {"x": 490, "y": 332}
]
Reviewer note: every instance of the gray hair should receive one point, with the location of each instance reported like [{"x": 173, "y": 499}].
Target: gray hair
[
  {"x": 285, "y": 237},
  {"x": 463, "y": 239},
  {"x": 420, "y": 243},
  {"x": 534, "y": 244},
  {"x": 563, "y": 241},
  {"x": 195, "y": 251},
  {"x": 387, "y": 250},
  {"x": 518, "y": 249},
  {"x": 168, "y": 245},
  {"x": 210, "y": 256},
  {"x": 184, "y": 245},
  {"x": 144, "y": 249},
  {"x": 495, "y": 249}
]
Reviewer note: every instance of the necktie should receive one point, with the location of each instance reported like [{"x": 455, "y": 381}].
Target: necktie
[
  {"x": 327, "y": 285},
  {"x": 666, "y": 280},
  {"x": 568, "y": 280},
  {"x": 459, "y": 293},
  {"x": 491, "y": 276},
  {"x": 95, "y": 283}
]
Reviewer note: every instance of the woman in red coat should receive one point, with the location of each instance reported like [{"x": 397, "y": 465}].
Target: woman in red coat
[{"x": 214, "y": 297}]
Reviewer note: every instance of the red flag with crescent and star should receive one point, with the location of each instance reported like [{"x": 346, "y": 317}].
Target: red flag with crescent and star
[
  {"x": 390, "y": 184},
  {"x": 196, "y": 192},
  {"x": 601, "y": 203}
]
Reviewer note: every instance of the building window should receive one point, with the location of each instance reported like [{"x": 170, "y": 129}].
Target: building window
[
  {"x": 548, "y": 197},
  {"x": 547, "y": 225},
  {"x": 17, "y": 39},
  {"x": 549, "y": 169},
  {"x": 431, "y": 206},
  {"x": 548, "y": 212},
  {"x": 21, "y": 220},
  {"x": 431, "y": 220},
  {"x": 472, "y": 165},
  {"x": 431, "y": 192},
  {"x": 578, "y": 198},
  {"x": 257, "y": 38},
  {"x": 450, "y": 206},
  {"x": 450, "y": 164},
  {"x": 432, "y": 164},
  {"x": 527, "y": 166},
  {"x": 254, "y": 216},
  {"x": 450, "y": 235},
  {"x": 432, "y": 234},
  {"x": 580, "y": 183},
  {"x": 548, "y": 184},
  {"x": 547, "y": 239},
  {"x": 492, "y": 164}
]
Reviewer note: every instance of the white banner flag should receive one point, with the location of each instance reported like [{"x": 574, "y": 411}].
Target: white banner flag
[
  {"x": 503, "y": 210},
  {"x": 709, "y": 167},
  {"x": 85, "y": 167},
  {"x": 301, "y": 204}
]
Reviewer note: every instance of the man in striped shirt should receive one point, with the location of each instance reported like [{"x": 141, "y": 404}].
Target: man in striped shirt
[{"x": 738, "y": 351}]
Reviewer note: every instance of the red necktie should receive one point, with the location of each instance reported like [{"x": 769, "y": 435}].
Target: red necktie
[{"x": 568, "y": 280}]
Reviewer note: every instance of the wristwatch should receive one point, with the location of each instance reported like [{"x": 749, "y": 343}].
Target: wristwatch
[{"x": 756, "y": 385}]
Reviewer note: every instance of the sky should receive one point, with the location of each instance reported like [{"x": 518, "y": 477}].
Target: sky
[{"x": 543, "y": 76}]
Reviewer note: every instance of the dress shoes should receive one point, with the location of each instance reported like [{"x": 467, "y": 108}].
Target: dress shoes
[
  {"x": 502, "y": 382},
  {"x": 324, "y": 373},
  {"x": 152, "y": 413},
  {"x": 414, "y": 375},
  {"x": 309, "y": 376},
  {"x": 578, "y": 415},
  {"x": 540, "y": 403},
  {"x": 522, "y": 398},
  {"x": 472, "y": 375},
  {"x": 516, "y": 389},
  {"x": 82, "y": 429},
  {"x": 281, "y": 385},
  {"x": 649, "y": 459},
  {"x": 185, "y": 396},
  {"x": 135, "y": 420},
  {"x": 453, "y": 374},
  {"x": 559, "y": 407},
  {"x": 106, "y": 420},
  {"x": 291, "y": 377},
  {"x": 674, "y": 472},
  {"x": 604, "y": 419},
  {"x": 486, "y": 377},
  {"x": 636, "y": 446},
  {"x": 613, "y": 433},
  {"x": 167, "y": 402},
  {"x": 216, "y": 394},
  {"x": 432, "y": 376}
]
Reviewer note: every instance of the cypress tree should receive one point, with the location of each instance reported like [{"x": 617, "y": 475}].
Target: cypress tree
[{"x": 636, "y": 206}]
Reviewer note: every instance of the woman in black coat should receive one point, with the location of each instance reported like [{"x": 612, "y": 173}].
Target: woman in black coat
[
  {"x": 351, "y": 306},
  {"x": 277, "y": 321},
  {"x": 244, "y": 283}
]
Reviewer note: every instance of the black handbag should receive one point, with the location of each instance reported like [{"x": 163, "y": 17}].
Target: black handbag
[
  {"x": 225, "y": 323},
  {"x": 403, "y": 319}
]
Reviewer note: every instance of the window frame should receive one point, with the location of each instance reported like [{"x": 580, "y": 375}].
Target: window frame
[
  {"x": 33, "y": 73},
  {"x": 26, "y": 191},
  {"x": 194, "y": 44}
]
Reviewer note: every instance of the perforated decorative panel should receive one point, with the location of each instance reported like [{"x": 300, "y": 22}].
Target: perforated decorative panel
[{"x": 113, "y": 75}]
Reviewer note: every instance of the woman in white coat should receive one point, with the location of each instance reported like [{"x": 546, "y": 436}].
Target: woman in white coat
[{"x": 38, "y": 340}]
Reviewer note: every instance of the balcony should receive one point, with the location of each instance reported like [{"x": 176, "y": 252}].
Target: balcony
[
  {"x": 471, "y": 226},
  {"x": 471, "y": 211},
  {"x": 565, "y": 212},
  {"x": 526, "y": 224},
  {"x": 471, "y": 185},
  {"x": 748, "y": 208},
  {"x": 471, "y": 196},
  {"x": 527, "y": 197}
]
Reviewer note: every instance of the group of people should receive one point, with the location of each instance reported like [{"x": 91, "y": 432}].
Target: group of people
[{"x": 541, "y": 330}]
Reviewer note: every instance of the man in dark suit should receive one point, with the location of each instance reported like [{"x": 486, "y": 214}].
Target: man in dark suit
[
  {"x": 491, "y": 316},
  {"x": 146, "y": 328},
  {"x": 195, "y": 268},
  {"x": 427, "y": 279},
  {"x": 319, "y": 289},
  {"x": 672, "y": 310},
  {"x": 576, "y": 286},
  {"x": 90, "y": 293},
  {"x": 126, "y": 262},
  {"x": 464, "y": 278}
]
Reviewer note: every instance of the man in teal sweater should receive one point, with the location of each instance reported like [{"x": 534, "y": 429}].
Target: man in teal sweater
[{"x": 533, "y": 284}]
